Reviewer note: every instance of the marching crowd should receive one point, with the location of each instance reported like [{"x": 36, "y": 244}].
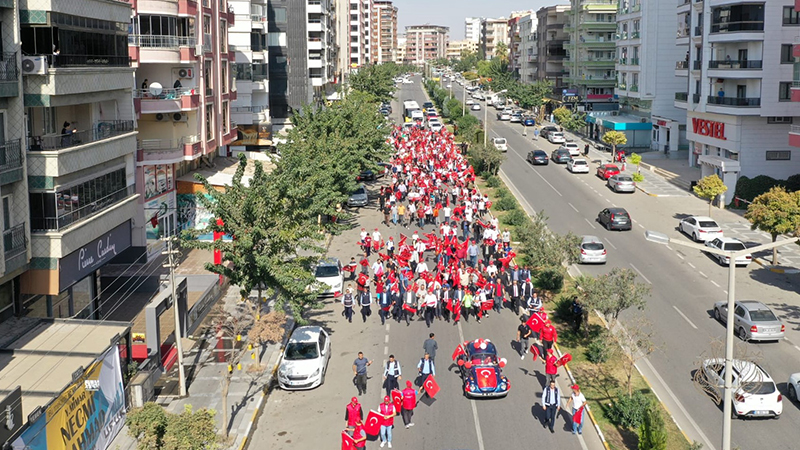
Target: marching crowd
[{"x": 457, "y": 264}]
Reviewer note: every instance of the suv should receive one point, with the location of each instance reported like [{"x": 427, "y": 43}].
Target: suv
[
  {"x": 500, "y": 143},
  {"x": 305, "y": 359}
]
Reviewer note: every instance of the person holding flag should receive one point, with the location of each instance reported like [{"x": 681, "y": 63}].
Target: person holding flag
[
  {"x": 409, "y": 403},
  {"x": 388, "y": 411},
  {"x": 578, "y": 403},
  {"x": 425, "y": 367},
  {"x": 353, "y": 413}
]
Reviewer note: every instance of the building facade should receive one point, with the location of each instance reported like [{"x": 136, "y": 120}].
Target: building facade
[
  {"x": 400, "y": 54},
  {"x": 472, "y": 29},
  {"x": 384, "y": 31},
  {"x": 353, "y": 33},
  {"x": 493, "y": 32},
  {"x": 741, "y": 71},
  {"x": 81, "y": 150},
  {"x": 528, "y": 48},
  {"x": 591, "y": 52},
  {"x": 456, "y": 48},
  {"x": 425, "y": 43},
  {"x": 550, "y": 38}
]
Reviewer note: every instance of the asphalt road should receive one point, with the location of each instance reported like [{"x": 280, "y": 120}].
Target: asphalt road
[{"x": 685, "y": 284}]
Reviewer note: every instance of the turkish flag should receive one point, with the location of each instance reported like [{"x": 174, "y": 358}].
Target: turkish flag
[
  {"x": 348, "y": 443},
  {"x": 373, "y": 423},
  {"x": 487, "y": 305},
  {"x": 535, "y": 322},
  {"x": 431, "y": 386},
  {"x": 458, "y": 352},
  {"x": 409, "y": 308},
  {"x": 397, "y": 399},
  {"x": 535, "y": 352},
  {"x": 578, "y": 416},
  {"x": 564, "y": 359}
]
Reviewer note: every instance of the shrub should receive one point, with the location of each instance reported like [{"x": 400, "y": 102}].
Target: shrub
[
  {"x": 628, "y": 411},
  {"x": 638, "y": 177},
  {"x": 514, "y": 217},
  {"x": 600, "y": 349},
  {"x": 502, "y": 193},
  {"x": 550, "y": 279},
  {"x": 493, "y": 181},
  {"x": 505, "y": 204}
]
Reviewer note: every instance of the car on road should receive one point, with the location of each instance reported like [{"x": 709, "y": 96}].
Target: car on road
[
  {"x": 754, "y": 391},
  {"x": 500, "y": 143},
  {"x": 449, "y": 85},
  {"x": 480, "y": 370},
  {"x": 387, "y": 106},
  {"x": 730, "y": 245},
  {"x": 700, "y": 228},
  {"x": 305, "y": 359},
  {"x": 573, "y": 148},
  {"x": 605, "y": 171},
  {"x": 592, "y": 250},
  {"x": 556, "y": 137},
  {"x": 504, "y": 115},
  {"x": 621, "y": 183},
  {"x": 752, "y": 320},
  {"x": 538, "y": 157},
  {"x": 615, "y": 219},
  {"x": 435, "y": 126},
  {"x": 578, "y": 165},
  {"x": 329, "y": 276},
  {"x": 408, "y": 81},
  {"x": 358, "y": 198},
  {"x": 426, "y": 106},
  {"x": 793, "y": 386},
  {"x": 528, "y": 121},
  {"x": 478, "y": 96},
  {"x": 560, "y": 156},
  {"x": 475, "y": 107},
  {"x": 545, "y": 131},
  {"x": 470, "y": 102},
  {"x": 515, "y": 117}
]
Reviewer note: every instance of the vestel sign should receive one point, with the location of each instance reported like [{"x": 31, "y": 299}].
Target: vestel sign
[{"x": 709, "y": 128}]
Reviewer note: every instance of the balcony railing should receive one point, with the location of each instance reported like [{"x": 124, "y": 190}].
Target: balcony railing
[
  {"x": 8, "y": 67},
  {"x": 681, "y": 96},
  {"x": 695, "y": 98},
  {"x": 698, "y": 31},
  {"x": 155, "y": 41},
  {"x": 101, "y": 130},
  {"x": 11, "y": 155},
  {"x": 15, "y": 241},
  {"x": 730, "y": 27},
  {"x": 89, "y": 61},
  {"x": 681, "y": 65},
  {"x": 750, "y": 102},
  {"x": 64, "y": 220},
  {"x": 166, "y": 144},
  {"x": 729, "y": 64},
  {"x": 248, "y": 109},
  {"x": 697, "y": 65},
  {"x": 634, "y": 61},
  {"x": 166, "y": 94}
]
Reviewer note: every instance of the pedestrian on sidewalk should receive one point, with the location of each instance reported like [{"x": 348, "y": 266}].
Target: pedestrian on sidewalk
[
  {"x": 425, "y": 367},
  {"x": 409, "y": 403},
  {"x": 586, "y": 150},
  {"x": 394, "y": 212},
  {"x": 387, "y": 410},
  {"x": 551, "y": 404},
  {"x": 401, "y": 215},
  {"x": 578, "y": 402},
  {"x": 430, "y": 305},
  {"x": 515, "y": 293},
  {"x": 430, "y": 346},
  {"x": 348, "y": 301},
  {"x": 360, "y": 371},
  {"x": 523, "y": 334},
  {"x": 391, "y": 375},
  {"x": 353, "y": 413},
  {"x": 384, "y": 303},
  {"x": 551, "y": 365}
]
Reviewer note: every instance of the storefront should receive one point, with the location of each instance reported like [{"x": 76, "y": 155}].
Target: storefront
[
  {"x": 715, "y": 140},
  {"x": 636, "y": 129},
  {"x": 159, "y": 206},
  {"x": 668, "y": 135}
]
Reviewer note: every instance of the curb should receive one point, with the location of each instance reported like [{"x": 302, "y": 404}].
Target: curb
[{"x": 776, "y": 269}]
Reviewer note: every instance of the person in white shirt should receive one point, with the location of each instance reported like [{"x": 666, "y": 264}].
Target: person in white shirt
[
  {"x": 414, "y": 237},
  {"x": 444, "y": 230},
  {"x": 377, "y": 269},
  {"x": 363, "y": 234},
  {"x": 577, "y": 401},
  {"x": 446, "y": 211},
  {"x": 506, "y": 237},
  {"x": 491, "y": 270},
  {"x": 422, "y": 267},
  {"x": 376, "y": 236},
  {"x": 430, "y": 307}
]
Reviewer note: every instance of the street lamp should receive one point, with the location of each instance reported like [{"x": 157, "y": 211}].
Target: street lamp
[
  {"x": 661, "y": 238},
  {"x": 486, "y": 119}
]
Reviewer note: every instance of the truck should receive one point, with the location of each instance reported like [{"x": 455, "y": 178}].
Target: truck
[{"x": 409, "y": 107}]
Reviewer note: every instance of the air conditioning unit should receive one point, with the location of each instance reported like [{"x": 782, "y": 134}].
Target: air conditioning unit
[
  {"x": 183, "y": 72},
  {"x": 163, "y": 117},
  {"x": 34, "y": 65},
  {"x": 180, "y": 117}
]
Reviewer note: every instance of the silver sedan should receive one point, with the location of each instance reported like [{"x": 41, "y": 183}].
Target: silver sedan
[
  {"x": 752, "y": 320},
  {"x": 621, "y": 183}
]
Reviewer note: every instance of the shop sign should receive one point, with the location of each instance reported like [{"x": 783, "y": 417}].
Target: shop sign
[
  {"x": 709, "y": 128},
  {"x": 661, "y": 123},
  {"x": 80, "y": 263}
]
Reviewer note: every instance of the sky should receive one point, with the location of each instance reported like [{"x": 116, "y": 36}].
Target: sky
[{"x": 451, "y": 13}]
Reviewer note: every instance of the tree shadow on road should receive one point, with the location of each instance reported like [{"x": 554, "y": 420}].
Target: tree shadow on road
[
  {"x": 787, "y": 282},
  {"x": 789, "y": 314}
]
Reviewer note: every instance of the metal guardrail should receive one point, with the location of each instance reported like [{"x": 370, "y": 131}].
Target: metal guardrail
[
  {"x": 11, "y": 156},
  {"x": 101, "y": 130},
  {"x": 158, "y": 41},
  {"x": 14, "y": 241}
]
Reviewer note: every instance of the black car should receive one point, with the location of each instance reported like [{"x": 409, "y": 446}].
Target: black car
[
  {"x": 615, "y": 219},
  {"x": 371, "y": 175},
  {"x": 427, "y": 105},
  {"x": 545, "y": 130},
  {"x": 538, "y": 157},
  {"x": 561, "y": 156}
]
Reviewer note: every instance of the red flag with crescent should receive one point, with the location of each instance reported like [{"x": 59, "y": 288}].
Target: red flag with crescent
[
  {"x": 402, "y": 240},
  {"x": 431, "y": 386},
  {"x": 487, "y": 304},
  {"x": 409, "y": 308},
  {"x": 373, "y": 423},
  {"x": 536, "y": 322},
  {"x": 564, "y": 359},
  {"x": 458, "y": 352},
  {"x": 397, "y": 399},
  {"x": 348, "y": 443},
  {"x": 535, "y": 352}
]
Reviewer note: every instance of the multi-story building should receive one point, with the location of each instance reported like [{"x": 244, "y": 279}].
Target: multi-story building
[
  {"x": 514, "y": 41},
  {"x": 353, "y": 33},
  {"x": 472, "y": 29},
  {"x": 550, "y": 38},
  {"x": 591, "y": 52},
  {"x": 77, "y": 81},
  {"x": 400, "y": 54},
  {"x": 528, "y": 48},
  {"x": 301, "y": 63},
  {"x": 646, "y": 82},
  {"x": 456, "y": 48},
  {"x": 741, "y": 73},
  {"x": 182, "y": 99},
  {"x": 425, "y": 43},
  {"x": 384, "y": 31},
  {"x": 493, "y": 32}
]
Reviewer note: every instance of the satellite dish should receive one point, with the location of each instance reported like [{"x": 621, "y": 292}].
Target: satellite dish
[{"x": 155, "y": 89}]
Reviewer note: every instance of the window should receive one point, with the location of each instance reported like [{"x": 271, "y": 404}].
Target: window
[
  {"x": 277, "y": 15},
  {"x": 780, "y": 120},
  {"x": 785, "y": 91},
  {"x": 225, "y": 124},
  {"x": 210, "y": 122},
  {"x": 223, "y": 36},
  {"x": 782, "y": 155},
  {"x": 243, "y": 71},
  {"x": 786, "y": 54},
  {"x": 276, "y": 39},
  {"x": 223, "y": 78},
  {"x": 743, "y": 17},
  {"x": 207, "y": 24},
  {"x": 7, "y": 213},
  {"x": 790, "y": 16}
]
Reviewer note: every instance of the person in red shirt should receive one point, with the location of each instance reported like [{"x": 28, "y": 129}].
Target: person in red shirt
[
  {"x": 549, "y": 335},
  {"x": 353, "y": 413},
  {"x": 551, "y": 365},
  {"x": 388, "y": 412},
  {"x": 359, "y": 435},
  {"x": 409, "y": 403}
]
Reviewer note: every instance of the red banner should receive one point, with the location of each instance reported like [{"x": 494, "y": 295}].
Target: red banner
[
  {"x": 397, "y": 399},
  {"x": 348, "y": 443},
  {"x": 373, "y": 423},
  {"x": 431, "y": 386}
]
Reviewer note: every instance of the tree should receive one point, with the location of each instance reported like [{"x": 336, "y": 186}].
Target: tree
[
  {"x": 155, "y": 429},
  {"x": 636, "y": 341},
  {"x": 652, "y": 430},
  {"x": 452, "y": 108},
  {"x": 486, "y": 158},
  {"x": 571, "y": 120},
  {"x": 614, "y": 292},
  {"x": 501, "y": 51},
  {"x": 545, "y": 249},
  {"x": 374, "y": 79},
  {"x": 531, "y": 96},
  {"x": 483, "y": 68},
  {"x": 615, "y": 138},
  {"x": 709, "y": 188},
  {"x": 775, "y": 212},
  {"x": 468, "y": 60},
  {"x": 635, "y": 159},
  {"x": 468, "y": 127}
]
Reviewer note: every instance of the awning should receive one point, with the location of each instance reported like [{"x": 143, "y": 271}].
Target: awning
[{"x": 621, "y": 122}]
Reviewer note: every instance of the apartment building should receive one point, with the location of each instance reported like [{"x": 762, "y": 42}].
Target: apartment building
[
  {"x": 472, "y": 29},
  {"x": 456, "y": 48},
  {"x": 384, "y": 31},
  {"x": 514, "y": 41},
  {"x": 400, "y": 54},
  {"x": 353, "y": 33},
  {"x": 425, "y": 43},
  {"x": 493, "y": 32},
  {"x": 550, "y": 38},
  {"x": 646, "y": 80},
  {"x": 77, "y": 81},
  {"x": 591, "y": 52},
  {"x": 528, "y": 48},
  {"x": 741, "y": 73}
]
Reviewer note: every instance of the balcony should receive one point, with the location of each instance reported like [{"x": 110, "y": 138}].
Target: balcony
[
  {"x": 794, "y": 134},
  {"x": 168, "y": 101},
  {"x": 101, "y": 131},
  {"x": 738, "y": 102},
  {"x": 681, "y": 96},
  {"x": 634, "y": 88},
  {"x": 599, "y": 62},
  {"x": 314, "y": 44},
  {"x": 315, "y": 25},
  {"x": 166, "y": 151},
  {"x": 15, "y": 247},
  {"x": 62, "y": 221},
  {"x": 314, "y": 7},
  {"x": 795, "y": 91},
  {"x": 9, "y": 75},
  {"x": 598, "y": 26},
  {"x": 598, "y": 44},
  {"x": 63, "y": 60},
  {"x": 730, "y": 64},
  {"x": 634, "y": 61},
  {"x": 186, "y": 7},
  {"x": 11, "y": 159},
  {"x": 682, "y": 65},
  {"x": 756, "y": 26},
  {"x": 160, "y": 42}
]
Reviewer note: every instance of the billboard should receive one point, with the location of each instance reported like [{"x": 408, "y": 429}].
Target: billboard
[{"x": 86, "y": 416}]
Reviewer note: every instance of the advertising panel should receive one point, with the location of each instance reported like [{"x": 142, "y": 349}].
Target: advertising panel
[{"x": 80, "y": 263}]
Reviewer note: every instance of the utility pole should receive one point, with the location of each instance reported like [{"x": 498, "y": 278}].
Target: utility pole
[{"x": 170, "y": 252}]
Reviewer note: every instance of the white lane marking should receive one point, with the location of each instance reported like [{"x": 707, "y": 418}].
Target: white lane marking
[
  {"x": 726, "y": 292},
  {"x": 684, "y": 317},
  {"x": 691, "y": 265},
  {"x": 670, "y": 248},
  {"x": 715, "y": 283},
  {"x": 640, "y": 273},
  {"x": 798, "y": 348},
  {"x": 640, "y": 226},
  {"x": 385, "y": 350},
  {"x": 702, "y": 274},
  {"x": 573, "y": 207},
  {"x": 611, "y": 244},
  {"x": 386, "y": 339},
  {"x": 679, "y": 255},
  {"x": 387, "y": 327},
  {"x": 608, "y": 200},
  {"x": 472, "y": 402},
  {"x": 590, "y": 223}
]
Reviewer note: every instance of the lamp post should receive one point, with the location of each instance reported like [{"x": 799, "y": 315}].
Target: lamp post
[
  {"x": 661, "y": 238},
  {"x": 486, "y": 119}
]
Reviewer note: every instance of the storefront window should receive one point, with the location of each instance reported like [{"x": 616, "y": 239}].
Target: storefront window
[{"x": 157, "y": 180}]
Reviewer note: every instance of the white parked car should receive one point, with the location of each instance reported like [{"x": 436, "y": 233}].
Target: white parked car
[
  {"x": 730, "y": 245},
  {"x": 504, "y": 115},
  {"x": 408, "y": 81},
  {"x": 475, "y": 107},
  {"x": 500, "y": 143},
  {"x": 578, "y": 165},
  {"x": 305, "y": 359},
  {"x": 793, "y": 386},
  {"x": 435, "y": 126},
  {"x": 470, "y": 102},
  {"x": 556, "y": 137},
  {"x": 700, "y": 228},
  {"x": 754, "y": 391},
  {"x": 574, "y": 149},
  {"x": 592, "y": 250},
  {"x": 329, "y": 277}
]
